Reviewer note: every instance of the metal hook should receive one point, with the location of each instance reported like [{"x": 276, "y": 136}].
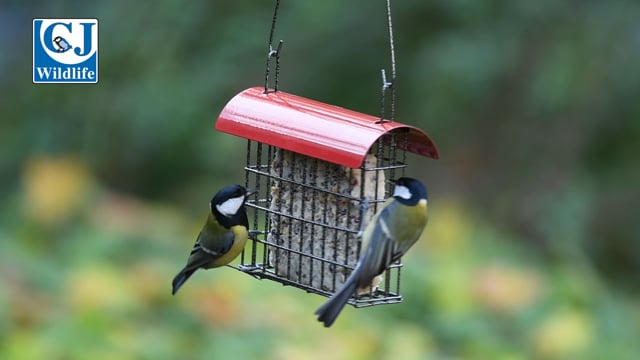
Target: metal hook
[
  {"x": 389, "y": 84},
  {"x": 385, "y": 85},
  {"x": 271, "y": 53}
]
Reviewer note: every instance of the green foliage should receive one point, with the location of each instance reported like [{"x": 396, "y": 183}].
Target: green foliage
[{"x": 531, "y": 249}]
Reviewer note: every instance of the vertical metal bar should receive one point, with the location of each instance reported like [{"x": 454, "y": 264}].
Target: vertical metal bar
[
  {"x": 281, "y": 185},
  {"x": 398, "y": 272},
  {"x": 268, "y": 198},
  {"x": 393, "y": 161},
  {"x": 405, "y": 140},
  {"x": 323, "y": 251},
  {"x": 290, "y": 213},
  {"x": 335, "y": 227},
  {"x": 314, "y": 199},
  {"x": 387, "y": 282},
  {"x": 246, "y": 185},
  {"x": 347, "y": 234},
  {"x": 379, "y": 164},
  {"x": 303, "y": 187},
  {"x": 254, "y": 244},
  {"x": 363, "y": 212}
]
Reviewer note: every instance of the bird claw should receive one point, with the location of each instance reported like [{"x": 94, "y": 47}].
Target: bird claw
[
  {"x": 364, "y": 208},
  {"x": 253, "y": 234},
  {"x": 364, "y": 205}
]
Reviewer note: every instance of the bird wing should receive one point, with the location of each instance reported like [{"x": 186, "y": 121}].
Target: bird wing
[
  {"x": 381, "y": 251},
  {"x": 213, "y": 243},
  {"x": 209, "y": 246}
]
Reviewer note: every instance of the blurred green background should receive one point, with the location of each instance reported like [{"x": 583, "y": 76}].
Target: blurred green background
[{"x": 532, "y": 250}]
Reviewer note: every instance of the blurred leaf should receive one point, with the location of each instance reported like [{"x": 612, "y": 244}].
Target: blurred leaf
[
  {"x": 503, "y": 288},
  {"x": 564, "y": 334},
  {"x": 55, "y": 187}
]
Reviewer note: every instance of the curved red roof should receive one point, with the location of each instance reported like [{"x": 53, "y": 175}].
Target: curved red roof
[{"x": 312, "y": 128}]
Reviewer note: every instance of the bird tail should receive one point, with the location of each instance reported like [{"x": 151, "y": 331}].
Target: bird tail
[
  {"x": 329, "y": 311},
  {"x": 181, "y": 278}
]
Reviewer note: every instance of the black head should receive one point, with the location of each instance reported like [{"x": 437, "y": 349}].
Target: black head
[
  {"x": 227, "y": 206},
  {"x": 409, "y": 191}
]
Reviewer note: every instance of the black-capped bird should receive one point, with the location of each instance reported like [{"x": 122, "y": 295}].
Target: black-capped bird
[
  {"x": 391, "y": 232},
  {"x": 223, "y": 235}
]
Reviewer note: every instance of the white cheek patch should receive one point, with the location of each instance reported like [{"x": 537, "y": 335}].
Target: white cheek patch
[
  {"x": 402, "y": 192},
  {"x": 231, "y": 206}
]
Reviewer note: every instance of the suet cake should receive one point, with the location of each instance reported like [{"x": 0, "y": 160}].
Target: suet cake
[{"x": 317, "y": 208}]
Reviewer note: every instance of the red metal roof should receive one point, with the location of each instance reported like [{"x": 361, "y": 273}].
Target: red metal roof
[{"x": 312, "y": 128}]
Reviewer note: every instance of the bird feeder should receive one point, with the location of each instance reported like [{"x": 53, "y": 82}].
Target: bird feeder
[{"x": 321, "y": 172}]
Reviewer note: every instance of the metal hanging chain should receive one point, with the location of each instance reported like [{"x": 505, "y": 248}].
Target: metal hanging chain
[
  {"x": 271, "y": 53},
  {"x": 389, "y": 84}
]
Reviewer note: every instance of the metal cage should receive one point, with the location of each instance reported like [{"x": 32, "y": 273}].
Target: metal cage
[{"x": 320, "y": 173}]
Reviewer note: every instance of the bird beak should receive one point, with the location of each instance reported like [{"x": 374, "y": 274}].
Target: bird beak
[{"x": 251, "y": 192}]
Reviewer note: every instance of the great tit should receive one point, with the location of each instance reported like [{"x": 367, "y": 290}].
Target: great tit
[
  {"x": 223, "y": 235},
  {"x": 391, "y": 232}
]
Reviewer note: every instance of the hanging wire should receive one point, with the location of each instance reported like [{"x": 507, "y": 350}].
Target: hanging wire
[
  {"x": 271, "y": 53},
  {"x": 389, "y": 84}
]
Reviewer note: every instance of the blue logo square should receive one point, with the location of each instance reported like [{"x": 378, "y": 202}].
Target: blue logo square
[{"x": 65, "y": 51}]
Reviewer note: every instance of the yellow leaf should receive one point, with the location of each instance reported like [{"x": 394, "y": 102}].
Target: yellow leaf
[
  {"x": 448, "y": 228},
  {"x": 54, "y": 187},
  {"x": 506, "y": 289},
  {"x": 97, "y": 288},
  {"x": 564, "y": 334}
]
